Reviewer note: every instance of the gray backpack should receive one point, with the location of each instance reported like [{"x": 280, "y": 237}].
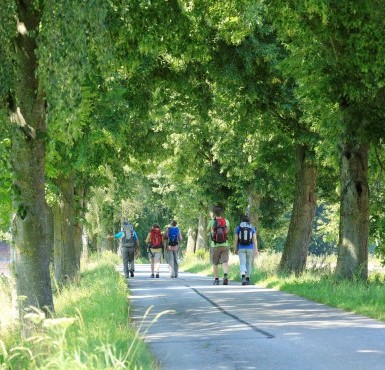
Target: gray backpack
[{"x": 128, "y": 238}]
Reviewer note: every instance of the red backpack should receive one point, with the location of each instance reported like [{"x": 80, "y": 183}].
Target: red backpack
[
  {"x": 156, "y": 238},
  {"x": 219, "y": 230}
]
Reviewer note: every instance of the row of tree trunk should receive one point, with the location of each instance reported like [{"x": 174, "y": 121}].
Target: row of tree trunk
[{"x": 354, "y": 214}]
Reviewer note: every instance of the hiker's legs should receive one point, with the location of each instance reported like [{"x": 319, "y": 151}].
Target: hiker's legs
[
  {"x": 224, "y": 256},
  {"x": 215, "y": 271},
  {"x": 125, "y": 261},
  {"x": 151, "y": 258},
  {"x": 131, "y": 258},
  {"x": 170, "y": 260},
  {"x": 156, "y": 265},
  {"x": 157, "y": 256},
  {"x": 215, "y": 256},
  {"x": 176, "y": 264},
  {"x": 173, "y": 262},
  {"x": 242, "y": 261},
  {"x": 249, "y": 261}
]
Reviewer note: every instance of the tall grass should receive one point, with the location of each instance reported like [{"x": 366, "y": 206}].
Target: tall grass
[
  {"x": 317, "y": 283},
  {"x": 91, "y": 328}
]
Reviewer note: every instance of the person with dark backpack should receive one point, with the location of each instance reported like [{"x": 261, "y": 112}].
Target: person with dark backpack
[
  {"x": 172, "y": 238},
  {"x": 219, "y": 246},
  {"x": 154, "y": 243},
  {"x": 129, "y": 244},
  {"x": 246, "y": 247}
]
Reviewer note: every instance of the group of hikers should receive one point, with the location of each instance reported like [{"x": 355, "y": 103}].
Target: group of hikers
[{"x": 245, "y": 246}]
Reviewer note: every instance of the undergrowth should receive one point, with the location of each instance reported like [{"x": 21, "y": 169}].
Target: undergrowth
[{"x": 90, "y": 328}]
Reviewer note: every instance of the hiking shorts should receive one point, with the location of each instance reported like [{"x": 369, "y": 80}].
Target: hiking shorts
[
  {"x": 219, "y": 255},
  {"x": 156, "y": 253}
]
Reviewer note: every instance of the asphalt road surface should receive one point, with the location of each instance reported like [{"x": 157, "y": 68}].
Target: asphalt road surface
[{"x": 191, "y": 324}]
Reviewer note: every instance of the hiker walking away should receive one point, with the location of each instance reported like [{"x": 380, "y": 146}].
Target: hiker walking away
[
  {"x": 219, "y": 247},
  {"x": 129, "y": 244},
  {"x": 155, "y": 249},
  {"x": 246, "y": 247},
  {"x": 172, "y": 239}
]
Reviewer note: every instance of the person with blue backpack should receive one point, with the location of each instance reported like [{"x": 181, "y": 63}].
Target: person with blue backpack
[
  {"x": 172, "y": 237},
  {"x": 246, "y": 247}
]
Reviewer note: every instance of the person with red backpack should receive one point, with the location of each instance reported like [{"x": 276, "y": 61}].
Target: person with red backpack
[
  {"x": 154, "y": 243},
  {"x": 219, "y": 246}
]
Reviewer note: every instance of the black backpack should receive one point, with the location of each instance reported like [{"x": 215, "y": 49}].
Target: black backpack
[{"x": 245, "y": 235}]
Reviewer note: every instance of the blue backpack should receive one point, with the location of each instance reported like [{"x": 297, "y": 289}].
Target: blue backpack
[{"x": 173, "y": 232}]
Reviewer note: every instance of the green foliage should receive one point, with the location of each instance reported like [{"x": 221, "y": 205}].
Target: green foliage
[
  {"x": 5, "y": 186},
  {"x": 7, "y": 32},
  {"x": 377, "y": 211},
  {"x": 79, "y": 38},
  {"x": 343, "y": 45},
  {"x": 325, "y": 230}
]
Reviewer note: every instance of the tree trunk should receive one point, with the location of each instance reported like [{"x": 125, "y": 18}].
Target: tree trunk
[
  {"x": 78, "y": 227},
  {"x": 297, "y": 242},
  {"x": 253, "y": 207},
  {"x": 202, "y": 232},
  {"x": 191, "y": 241},
  {"x": 64, "y": 246},
  {"x": 354, "y": 212},
  {"x": 32, "y": 252}
]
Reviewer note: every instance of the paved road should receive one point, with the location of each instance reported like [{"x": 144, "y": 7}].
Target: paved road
[{"x": 248, "y": 327}]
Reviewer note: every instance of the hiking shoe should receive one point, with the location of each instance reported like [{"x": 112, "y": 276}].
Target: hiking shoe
[
  {"x": 248, "y": 281},
  {"x": 244, "y": 281},
  {"x": 216, "y": 282},
  {"x": 225, "y": 281},
  {"x": 132, "y": 273},
  {"x": 126, "y": 276},
  {"x": 157, "y": 275},
  {"x": 152, "y": 275}
]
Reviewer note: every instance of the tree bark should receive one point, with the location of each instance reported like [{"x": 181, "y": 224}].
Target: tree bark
[
  {"x": 32, "y": 252},
  {"x": 78, "y": 226},
  {"x": 202, "y": 232},
  {"x": 253, "y": 207},
  {"x": 354, "y": 212},
  {"x": 191, "y": 241},
  {"x": 297, "y": 242},
  {"x": 64, "y": 246}
]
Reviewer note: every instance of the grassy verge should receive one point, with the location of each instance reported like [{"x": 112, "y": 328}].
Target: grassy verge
[
  {"x": 317, "y": 283},
  {"x": 91, "y": 328}
]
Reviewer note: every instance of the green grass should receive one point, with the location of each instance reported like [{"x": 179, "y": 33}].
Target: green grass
[
  {"x": 317, "y": 283},
  {"x": 91, "y": 328}
]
